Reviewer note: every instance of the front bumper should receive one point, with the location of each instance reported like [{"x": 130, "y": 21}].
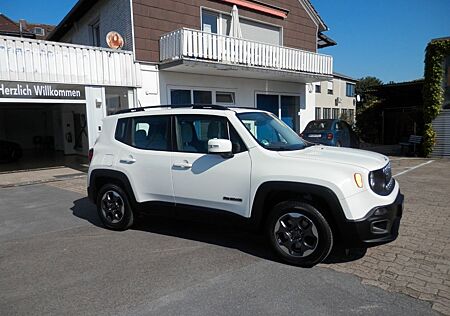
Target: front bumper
[{"x": 380, "y": 226}]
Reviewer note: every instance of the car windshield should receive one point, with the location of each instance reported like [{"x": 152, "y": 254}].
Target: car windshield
[
  {"x": 270, "y": 132},
  {"x": 318, "y": 126}
]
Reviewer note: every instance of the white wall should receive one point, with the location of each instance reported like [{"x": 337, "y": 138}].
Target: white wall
[
  {"x": 245, "y": 89},
  {"x": 95, "y": 112},
  {"x": 114, "y": 15},
  {"x": 324, "y": 99}
]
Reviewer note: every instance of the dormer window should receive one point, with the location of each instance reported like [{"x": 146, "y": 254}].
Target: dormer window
[{"x": 39, "y": 31}]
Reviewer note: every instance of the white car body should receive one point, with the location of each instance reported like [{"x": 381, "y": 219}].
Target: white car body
[{"x": 213, "y": 182}]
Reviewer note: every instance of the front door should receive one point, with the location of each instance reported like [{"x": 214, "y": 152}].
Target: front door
[{"x": 209, "y": 180}]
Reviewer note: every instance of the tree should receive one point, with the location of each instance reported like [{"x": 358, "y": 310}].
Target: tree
[{"x": 367, "y": 115}]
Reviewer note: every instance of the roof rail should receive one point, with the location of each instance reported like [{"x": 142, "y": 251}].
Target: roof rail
[{"x": 174, "y": 106}]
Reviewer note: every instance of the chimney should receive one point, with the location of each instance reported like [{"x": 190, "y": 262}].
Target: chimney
[{"x": 22, "y": 26}]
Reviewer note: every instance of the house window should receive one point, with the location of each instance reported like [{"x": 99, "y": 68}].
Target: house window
[
  {"x": 330, "y": 87},
  {"x": 95, "y": 34},
  {"x": 39, "y": 31},
  {"x": 326, "y": 113},
  {"x": 318, "y": 88},
  {"x": 202, "y": 97},
  {"x": 214, "y": 22},
  {"x": 260, "y": 32},
  {"x": 225, "y": 97},
  {"x": 336, "y": 113},
  {"x": 192, "y": 96},
  {"x": 210, "y": 21},
  {"x": 180, "y": 96},
  {"x": 318, "y": 113},
  {"x": 349, "y": 90},
  {"x": 220, "y": 23}
]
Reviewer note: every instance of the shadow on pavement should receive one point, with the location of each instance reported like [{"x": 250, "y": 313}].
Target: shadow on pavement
[{"x": 211, "y": 229}]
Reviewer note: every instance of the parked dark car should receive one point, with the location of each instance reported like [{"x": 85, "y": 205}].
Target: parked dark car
[
  {"x": 331, "y": 132},
  {"x": 9, "y": 151}
]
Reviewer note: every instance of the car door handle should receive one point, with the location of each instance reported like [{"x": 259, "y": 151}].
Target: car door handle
[
  {"x": 128, "y": 160},
  {"x": 185, "y": 165}
]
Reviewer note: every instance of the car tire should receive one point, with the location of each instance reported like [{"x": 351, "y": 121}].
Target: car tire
[
  {"x": 299, "y": 233},
  {"x": 338, "y": 144},
  {"x": 114, "y": 208}
]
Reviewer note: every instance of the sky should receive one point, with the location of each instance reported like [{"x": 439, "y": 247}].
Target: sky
[{"x": 381, "y": 38}]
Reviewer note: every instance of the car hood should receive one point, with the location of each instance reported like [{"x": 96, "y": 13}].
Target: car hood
[{"x": 349, "y": 156}]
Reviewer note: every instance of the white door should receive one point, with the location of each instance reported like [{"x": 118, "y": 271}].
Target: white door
[
  {"x": 145, "y": 157},
  {"x": 209, "y": 180}
]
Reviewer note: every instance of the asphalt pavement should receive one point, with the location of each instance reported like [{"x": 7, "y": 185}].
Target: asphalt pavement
[{"x": 55, "y": 258}]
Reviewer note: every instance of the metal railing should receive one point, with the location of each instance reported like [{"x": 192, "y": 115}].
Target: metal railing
[
  {"x": 195, "y": 44},
  {"x": 31, "y": 60}
]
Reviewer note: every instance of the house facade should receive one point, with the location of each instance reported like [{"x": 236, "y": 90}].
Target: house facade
[
  {"x": 187, "y": 53},
  {"x": 335, "y": 98}
]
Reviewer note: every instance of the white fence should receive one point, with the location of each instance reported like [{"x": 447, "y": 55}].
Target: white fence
[
  {"x": 43, "y": 61},
  {"x": 188, "y": 43}
]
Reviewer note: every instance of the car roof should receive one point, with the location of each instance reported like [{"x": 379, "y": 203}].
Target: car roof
[{"x": 193, "y": 108}]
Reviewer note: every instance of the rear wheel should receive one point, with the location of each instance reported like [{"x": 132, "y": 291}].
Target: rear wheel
[
  {"x": 114, "y": 208},
  {"x": 299, "y": 233}
]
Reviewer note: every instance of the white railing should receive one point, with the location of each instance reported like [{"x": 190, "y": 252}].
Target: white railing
[
  {"x": 43, "y": 61},
  {"x": 189, "y": 43}
]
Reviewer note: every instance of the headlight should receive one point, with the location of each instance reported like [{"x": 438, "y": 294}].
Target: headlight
[{"x": 381, "y": 181}]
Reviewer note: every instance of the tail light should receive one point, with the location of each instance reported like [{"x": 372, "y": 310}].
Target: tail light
[
  {"x": 329, "y": 136},
  {"x": 90, "y": 154}
]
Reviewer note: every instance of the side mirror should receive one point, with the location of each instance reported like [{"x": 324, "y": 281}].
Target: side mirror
[{"x": 220, "y": 146}]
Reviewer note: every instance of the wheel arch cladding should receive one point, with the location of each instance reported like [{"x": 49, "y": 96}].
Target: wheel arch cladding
[
  {"x": 273, "y": 192},
  {"x": 100, "y": 177}
]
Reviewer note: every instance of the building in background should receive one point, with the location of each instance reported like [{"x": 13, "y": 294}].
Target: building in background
[
  {"x": 335, "y": 98},
  {"x": 22, "y": 28},
  {"x": 187, "y": 52}
]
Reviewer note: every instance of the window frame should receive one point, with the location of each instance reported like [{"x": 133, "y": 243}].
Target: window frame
[
  {"x": 349, "y": 93},
  {"x": 219, "y": 25},
  {"x": 41, "y": 31},
  {"x": 93, "y": 27},
  {"x": 127, "y": 139},
  {"x": 230, "y": 129},
  {"x": 213, "y": 91}
]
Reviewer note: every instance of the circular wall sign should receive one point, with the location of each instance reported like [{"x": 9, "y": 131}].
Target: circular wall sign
[{"x": 114, "y": 40}]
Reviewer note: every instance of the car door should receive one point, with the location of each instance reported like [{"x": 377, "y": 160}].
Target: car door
[
  {"x": 145, "y": 157},
  {"x": 209, "y": 180}
]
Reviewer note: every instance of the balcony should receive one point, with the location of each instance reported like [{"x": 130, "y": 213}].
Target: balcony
[
  {"x": 31, "y": 60},
  {"x": 188, "y": 50}
]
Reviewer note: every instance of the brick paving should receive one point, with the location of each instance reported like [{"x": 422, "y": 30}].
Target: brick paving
[{"x": 418, "y": 262}]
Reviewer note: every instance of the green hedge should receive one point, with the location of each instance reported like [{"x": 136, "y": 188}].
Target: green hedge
[{"x": 433, "y": 94}]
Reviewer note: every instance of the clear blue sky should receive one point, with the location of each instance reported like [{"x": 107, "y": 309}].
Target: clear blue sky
[{"x": 381, "y": 38}]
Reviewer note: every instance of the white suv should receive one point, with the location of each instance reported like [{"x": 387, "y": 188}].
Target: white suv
[{"x": 247, "y": 163}]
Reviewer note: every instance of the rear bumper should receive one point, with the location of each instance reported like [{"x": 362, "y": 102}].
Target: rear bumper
[{"x": 380, "y": 226}]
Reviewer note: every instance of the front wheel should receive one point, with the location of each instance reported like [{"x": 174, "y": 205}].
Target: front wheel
[
  {"x": 299, "y": 233},
  {"x": 114, "y": 208}
]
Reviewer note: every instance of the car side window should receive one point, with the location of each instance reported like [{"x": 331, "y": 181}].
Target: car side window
[
  {"x": 150, "y": 132},
  {"x": 194, "y": 131}
]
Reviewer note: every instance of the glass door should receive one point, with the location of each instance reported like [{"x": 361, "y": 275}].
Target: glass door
[{"x": 285, "y": 107}]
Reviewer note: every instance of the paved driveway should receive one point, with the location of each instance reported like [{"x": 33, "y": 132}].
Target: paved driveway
[{"x": 55, "y": 258}]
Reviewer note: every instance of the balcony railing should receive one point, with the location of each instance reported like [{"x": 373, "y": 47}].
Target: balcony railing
[
  {"x": 24, "y": 59},
  {"x": 193, "y": 44}
]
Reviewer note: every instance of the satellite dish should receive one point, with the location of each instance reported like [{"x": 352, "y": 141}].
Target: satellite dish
[{"x": 114, "y": 40}]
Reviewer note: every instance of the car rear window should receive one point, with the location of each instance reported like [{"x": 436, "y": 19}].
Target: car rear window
[{"x": 319, "y": 125}]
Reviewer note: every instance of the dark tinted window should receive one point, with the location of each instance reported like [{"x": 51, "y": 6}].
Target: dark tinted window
[
  {"x": 121, "y": 130},
  {"x": 319, "y": 125},
  {"x": 150, "y": 132},
  {"x": 194, "y": 131}
]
